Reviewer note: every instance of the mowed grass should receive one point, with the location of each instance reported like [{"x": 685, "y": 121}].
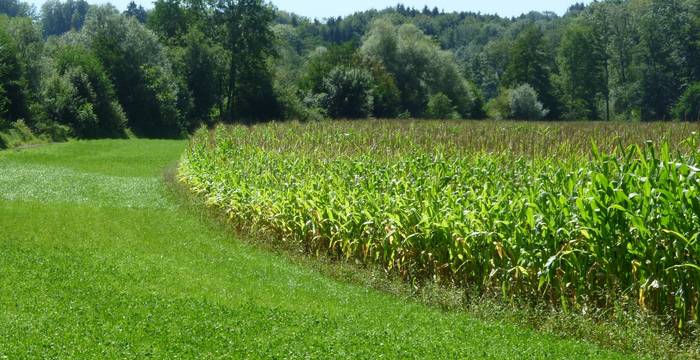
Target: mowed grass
[{"x": 98, "y": 259}]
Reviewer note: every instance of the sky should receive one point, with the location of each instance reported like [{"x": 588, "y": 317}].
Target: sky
[{"x": 326, "y": 8}]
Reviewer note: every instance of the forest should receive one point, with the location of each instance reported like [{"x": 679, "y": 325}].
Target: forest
[{"x": 75, "y": 70}]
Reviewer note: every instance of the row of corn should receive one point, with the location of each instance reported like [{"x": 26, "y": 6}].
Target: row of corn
[{"x": 600, "y": 230}]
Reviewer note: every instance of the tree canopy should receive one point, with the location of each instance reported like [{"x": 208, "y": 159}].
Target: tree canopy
[{"x": 163, "y": 72}]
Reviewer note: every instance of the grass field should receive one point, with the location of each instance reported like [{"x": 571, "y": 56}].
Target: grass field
[
  {"x": 588, "y": 217},
  {"x": 98, "y": 259}
]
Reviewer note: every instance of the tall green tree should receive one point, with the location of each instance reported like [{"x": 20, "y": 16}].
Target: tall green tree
[
  {"x": 248, "y": 40},
  {"x": 420, "y": 68},
  {"x": 531, "y": 63},
  {"x": 615, "y": 34},
  {"x": 168, "y": 19},
  {"x": 60, "y": 17},
  {"x": 13, "y": 85},
  {"x": 137, "y": 12},
  {"x": 202, "y": 67},
  {"x": 664, "y": 28},
  {"x": 17, "y": 8},
  {"x": 154, "y": 99},
  {"x": 348, "y": 93},
  {"x": 583, "y": 77}
]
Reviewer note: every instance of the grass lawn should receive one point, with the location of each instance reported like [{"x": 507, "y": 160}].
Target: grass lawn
[{"x": 98, "y": 259}]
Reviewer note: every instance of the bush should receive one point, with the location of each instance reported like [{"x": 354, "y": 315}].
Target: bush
[
  {"x": 293, "y": 106},
  {"x": 524, "y": 104},
  {"x": 78, "y": 94},
  {"x": 18, "y": 134},
  {"x": 688, "y": 106},
  {"x": 348, "y": 93},
  {"x": 440, "y": 107},
  {"x": 498, "y": 108}
]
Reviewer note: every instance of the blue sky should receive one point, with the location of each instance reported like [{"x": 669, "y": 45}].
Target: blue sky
[{"x": 327, "y": 8}]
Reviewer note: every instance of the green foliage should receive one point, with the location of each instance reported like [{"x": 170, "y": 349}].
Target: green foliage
[
  {"x": 30, "y": 45},
  {"x": 202, "y": 66},
  {"x": 17, "y": 134},
  {"x": 520, "y": 103},
  {"x": 348, "y": 93},
  {"x": 59, "y": 17},
  {"x": 385, "y": 93},
  {"x": 524, "y": 104},
  {"x": 13, "y": 94},
  {"x": 168, "y": 19},
  {"x": 582, "y": 74},
  {"x": 688, "y": 107},
  {"x": 498, "y": 108},
  {"x": 293, "y": 107},
  {"x": 154, "y": 100},
  {"x": 248, "y": 40},
  {"x": 137, "y": 12},
  {"x": 322, "y": 61},
  {"x": 15, "y": 8},
  {"x": 419, "y": 68},
  {"x": 4, "y": 102},
  {"x": 663, "y": 29},
  {"x": 80, "y": 95},
  {"x": 489, "y": 207},
  {"x": 530, "y": 63},
  {"x": 440, "y": 107}
]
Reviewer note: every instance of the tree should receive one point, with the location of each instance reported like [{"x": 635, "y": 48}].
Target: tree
[
  {"x": 688, "y": 106},
  {"x": 386, "y": 95},
  {"x": 13, "y": 97},
  {"x": 202, "y": 69},
  {"x": 582, "y": 73},
  {"x": 16, "y": 8},
  {"x": 320, "y": 62},
  {"x": 614, "y": 35},
  {"x": 154, "y": 99},
  {"x": 168, "y": 19},
  {"x": 348, "y": 93},
  {"x": 664, "y": 34},
  {"x": 524, "y": 104},
  {"x": 78, "y": 94},
  {"x": 58, "y": 17},
  {"x": 440, "y": 107},
  {"x": 530, "y": 64},
  {"x": 248, "y": 41},
  {"x": 419, "y": 68},
  {"x": 137, "y": 12}
]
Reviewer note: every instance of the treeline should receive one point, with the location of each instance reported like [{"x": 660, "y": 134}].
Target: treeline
[
  {"x": 610, "y": 60},
  {"x": 79, "y": 70}
]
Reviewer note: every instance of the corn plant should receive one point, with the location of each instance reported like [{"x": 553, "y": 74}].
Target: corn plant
[{"x": 495, "y": 207}]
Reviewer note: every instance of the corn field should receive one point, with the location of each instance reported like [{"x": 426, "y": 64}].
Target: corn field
[{"x": 573, "y": 215}]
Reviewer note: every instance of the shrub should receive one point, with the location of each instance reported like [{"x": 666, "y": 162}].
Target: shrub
[
  {"x": 498, "y": 108},
  {"x": 293, "y": 106},
  {"x": 79, "y": 94},
  {"x": 440, "y": 107},
  {"x": 17, "y": 134},
  {"x": 348, "y": 93},
  {"x": 524, "y": 104},
  {"x": 688, "y": 106}
]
